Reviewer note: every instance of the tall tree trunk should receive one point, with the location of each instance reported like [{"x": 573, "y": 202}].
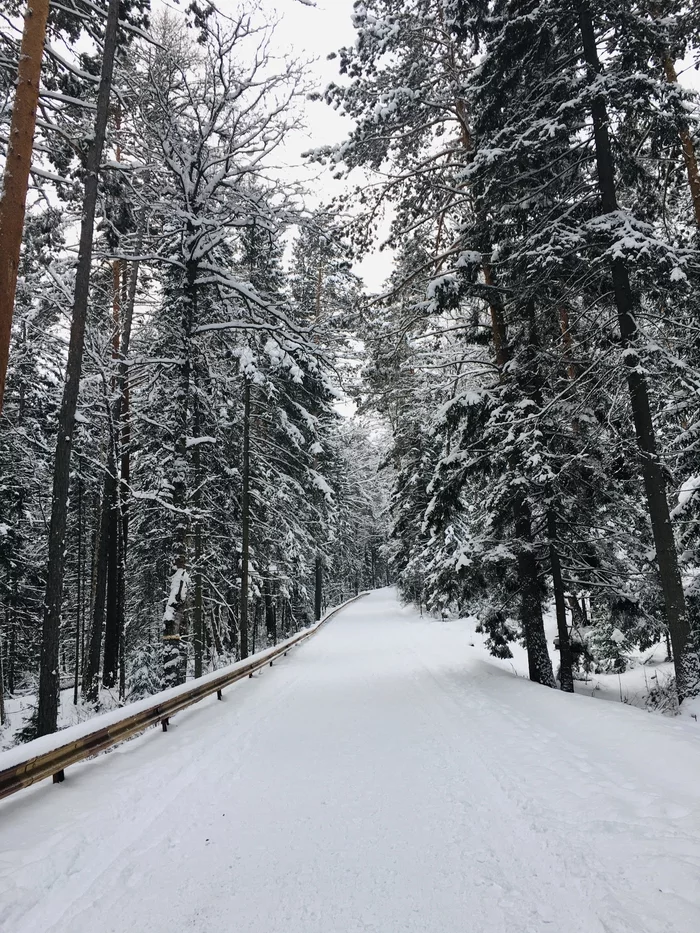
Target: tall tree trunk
[
  {"x": 124, "y": 401},
  {"x": 686, "y": 661},
  {"x": 174, "y": 627},
  {"x": 2, "y": 680},
  {"x": 231, "y": 621},
  {"x": 111, "y": 540},
  {"x": 245, "y": 519},
  {"x": 539, "y": 661},
  {"x": 270, "y": 614},
  {"x": 568, "y": 342},
  {"x": 566, "y": 674},
  {"x": 689, "y": 155},
  {"x": 91, "y": 674},
  {"x": 318, "y": 589},
  {"x": 111, "y": 652},
  {"x": 48, "y": 676},
  {"x": 17, "y": 166},
  {"x": 578, "y": 612},
  {"x": 79, "y": 589},
  {"x": 12, "y": 653},
  {"x": 498, "y": 325},
  {"x": 110, "y": 665},
  {"x": 256, "y": 618},
  {"x": 198, "y": 614}
]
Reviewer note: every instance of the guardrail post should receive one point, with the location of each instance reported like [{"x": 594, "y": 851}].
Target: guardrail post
[
  {"x": 59, "y": 777},
  {"x": 164, "y": 724},
  {"x": 219, "y": 695}
]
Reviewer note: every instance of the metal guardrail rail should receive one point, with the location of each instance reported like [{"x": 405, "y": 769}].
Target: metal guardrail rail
[{"x": 54, "y": 762}]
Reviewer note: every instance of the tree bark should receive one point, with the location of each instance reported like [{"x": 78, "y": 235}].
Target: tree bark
[
  {"x": 686, "y": 661},
  {"x": 2, "y": 684},
  {"x": 498, "y": 326},
  {"x": 578, "y": 614},
  {"x": 124, "y": 493},
  {"x": 174, "y": 650},
  {"x": 270, "y": 613},
  {"x": 48, "y": 676},
  {"x": 318, "y": 589},
  {"x": 232, "y": 639},
  {"x": 12, "y": 647},
  {"x": 568, "y": 341},
  {"x": 689, "y": 155},
  {"x": 110, "y": 543},
  {"x": 566, "y": 674},
  {"x": 256, "y": 617},
  {"x": 17, "y": 166},
  {"x": 110, "y": 667},
  {"x": 91, "y": 675},
  {"x": 245, "y": 519},
  {"x": 79, "y": 589},
  {"x": 198, "y": 615},
  {"x": 539, "y": 662}
]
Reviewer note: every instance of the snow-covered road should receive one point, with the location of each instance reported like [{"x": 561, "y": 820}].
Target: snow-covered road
[{"x": 384, "y": 777}]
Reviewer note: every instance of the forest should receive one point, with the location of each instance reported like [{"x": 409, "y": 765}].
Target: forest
[{"x": 211, "y": 429}]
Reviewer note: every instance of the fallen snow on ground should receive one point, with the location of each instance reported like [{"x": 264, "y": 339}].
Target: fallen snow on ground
[
  {"x": 385, "y": 777},
  {"x": 20, "y": 708},
  {"x": 647, "y": 671}
]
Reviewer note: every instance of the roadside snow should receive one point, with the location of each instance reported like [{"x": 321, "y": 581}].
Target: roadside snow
[
  {"x": 83, "y": 725},
  {"x": 648, "y": 671},
  {"x": 386, "y": 777}
]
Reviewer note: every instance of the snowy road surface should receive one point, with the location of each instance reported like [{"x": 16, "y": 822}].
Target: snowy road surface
[{"x": 384, "y": 777}]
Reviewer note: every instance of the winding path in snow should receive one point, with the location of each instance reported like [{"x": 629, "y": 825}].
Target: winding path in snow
[{"x": 385, "y": 777}]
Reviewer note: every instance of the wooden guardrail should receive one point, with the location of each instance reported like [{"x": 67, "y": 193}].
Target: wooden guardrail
[{"x": 54, "y": 761}]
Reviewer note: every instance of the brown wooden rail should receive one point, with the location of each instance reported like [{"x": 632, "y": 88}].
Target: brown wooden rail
[{"x": 54, "y": 762}]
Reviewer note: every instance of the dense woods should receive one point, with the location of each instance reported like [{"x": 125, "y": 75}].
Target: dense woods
[
  {"x": 180, "y": 484},
  {"x": 176, "y": 476},
  {"x": 535, "y": 350}
]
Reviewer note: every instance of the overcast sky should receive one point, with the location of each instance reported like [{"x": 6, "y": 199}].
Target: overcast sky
[{"x": 313, "y": 32}]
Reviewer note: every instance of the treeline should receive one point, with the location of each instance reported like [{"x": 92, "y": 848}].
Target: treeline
[
  {"x": 537, "y": 351},
  {"x": 176, "y": 486}
]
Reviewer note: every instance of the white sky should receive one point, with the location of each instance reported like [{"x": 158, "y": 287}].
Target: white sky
[{"x": 313, "y": 32}]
